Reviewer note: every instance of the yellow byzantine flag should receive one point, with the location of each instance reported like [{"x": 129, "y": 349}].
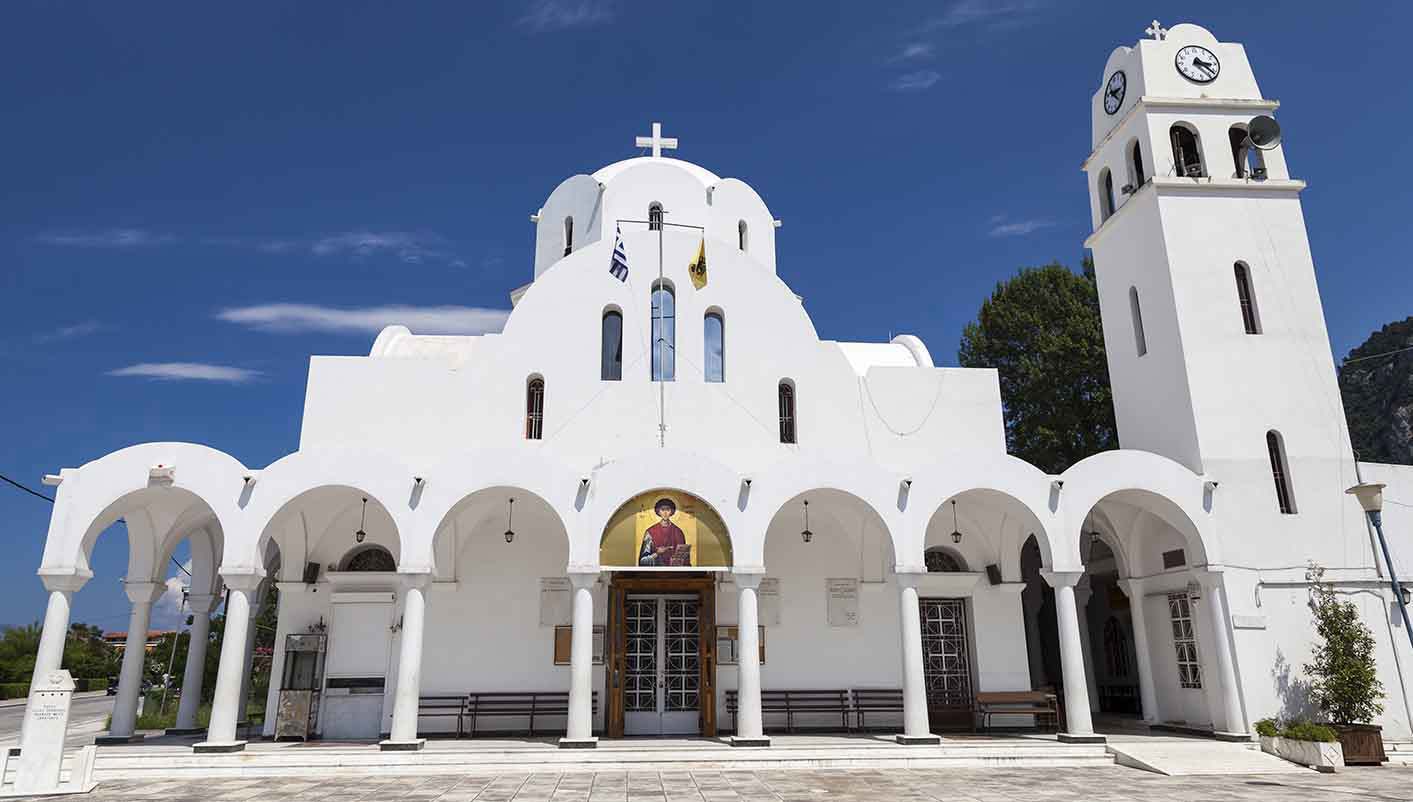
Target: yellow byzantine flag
[{"x": 698, "y": 267}]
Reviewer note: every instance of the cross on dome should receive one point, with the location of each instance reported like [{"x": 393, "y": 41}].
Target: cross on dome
[
  {"x": 1158, "y": 32},
  {"x": 657, "y": 141}
]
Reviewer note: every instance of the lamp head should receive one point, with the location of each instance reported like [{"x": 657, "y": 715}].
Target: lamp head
[{"x": 1370, "y": 495}]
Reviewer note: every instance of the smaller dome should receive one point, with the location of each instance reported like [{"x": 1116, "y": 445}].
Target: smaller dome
[{"x": 607, "y": 174}]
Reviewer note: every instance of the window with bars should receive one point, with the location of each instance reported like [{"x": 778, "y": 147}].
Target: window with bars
[
  {"x": 786, "y": 395},
  {"x": 1245, "y": 298},
  {"x": 1280, "y": 472},
  {"x": 1189, "y": 665},
  {"x": 942, "y": 561},
  {"x": 535, "y": 409},
  {"x": 655, "y": 217}
]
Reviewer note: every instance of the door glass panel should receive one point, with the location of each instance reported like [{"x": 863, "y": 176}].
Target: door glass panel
[
  {"x": 946, "y": 654},
  {"x": 682, "y": 650},
  {"x": 640, "y": 655}
]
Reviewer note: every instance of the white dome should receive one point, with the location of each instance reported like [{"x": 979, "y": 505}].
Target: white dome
[{"x": 607, "y": 174}]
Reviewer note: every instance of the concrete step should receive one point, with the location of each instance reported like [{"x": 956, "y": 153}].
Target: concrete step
[
  {"x": 1176, "y": 757},
  {"x": 1400, "y": 753},
  {"x": 129, "y": 762}
]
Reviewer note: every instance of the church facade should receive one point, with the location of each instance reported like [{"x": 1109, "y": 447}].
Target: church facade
[{"x": 659, "y": 491}]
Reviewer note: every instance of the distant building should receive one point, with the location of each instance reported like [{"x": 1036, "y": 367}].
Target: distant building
[{"x": 119, "y": 640}]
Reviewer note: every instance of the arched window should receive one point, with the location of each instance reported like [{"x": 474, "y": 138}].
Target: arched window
[
  {"x": 664, "y": 309},
  {"x": 786, "y": 395},
  {"x": 1106, "y": 194},
  {"x": 369, "y": 558},
  {"x": 714, "y": 346},
  {"x": 1187, "y": 157},
  {"x": 1140, "y": 340},
  {"x": 1136, "y": 161},
  {"x": 940, "y": 560},
  {"x": 654, "y": 216},
  {"x": 568, "y": 235},
  {"x": 611, "y": 339},
  {"x": 1280, "y": 472},
  {"x": 535, "y": 408},
  {"x": 741, "y": 240},
  {"x": 1246, "y": 299}
]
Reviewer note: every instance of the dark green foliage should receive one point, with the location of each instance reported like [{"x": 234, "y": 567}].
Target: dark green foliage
[
  {"x": 1297, "y": 730},
  {"x": 1042, "y": 333},
  {"x": 85, "y": 654},
  {"x": 1344, "y": 679},
  {"x": 1378, "y": 396},
  {"x": 1267, "y": 727}
]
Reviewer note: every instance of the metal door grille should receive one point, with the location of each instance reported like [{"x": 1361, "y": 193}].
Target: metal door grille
[
  {"x": 945, "y": 653},
  {"x": 1189, "y": 664},
  {"x": 682, "y": 648},
  {"x": 640, "y": 655}
]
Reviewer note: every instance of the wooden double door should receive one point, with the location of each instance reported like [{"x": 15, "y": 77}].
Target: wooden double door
[{"x": 661, "y": 657}]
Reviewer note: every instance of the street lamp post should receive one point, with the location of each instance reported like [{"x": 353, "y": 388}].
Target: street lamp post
[{"x": 1371, "y": 498}]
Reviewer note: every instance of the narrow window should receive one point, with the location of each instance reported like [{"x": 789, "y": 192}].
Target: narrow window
[
  {"x": 1137, "y": 160},
  {"x": 664, "y": 358},
  {"x": 787, "y": 412},
  {"x": 1280, "y": 472},
  {"x": 1186, "y": 155},
  {"x": 741, "y": 235},
  {"x": 611, "y": 358},
  {"x": 1248, "y": 303},
  {"x": 1106, "y": 194},
  {"x": 535, "y": 409},
  {"x": 568, "y": 235},
  {"x": 1189, "y": 665},
  {"x": 1140, "y": 340},
  {"x": 655, "y": 216},
  {"x": 714, "y": 346}
]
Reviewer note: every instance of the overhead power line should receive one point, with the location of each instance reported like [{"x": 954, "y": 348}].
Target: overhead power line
[
  {"x": 30, "y": 491},
  {"x": 1376, "y": 356}
]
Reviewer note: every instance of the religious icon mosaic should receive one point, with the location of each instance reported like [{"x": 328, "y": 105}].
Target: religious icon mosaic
[{"x": 665, "y": 529}]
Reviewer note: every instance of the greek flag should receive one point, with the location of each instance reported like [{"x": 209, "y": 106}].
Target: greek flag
[{"x": 619, "y": 266}]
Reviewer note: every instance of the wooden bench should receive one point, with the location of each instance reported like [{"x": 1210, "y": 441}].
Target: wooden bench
[
  {"x": 506, "y": 704},
  {"x": 792, "y": 702},
  {"x": 876, "y": 700},
  {"x": 443, "y": 706},
  {"x": 1040, "y": 704}
]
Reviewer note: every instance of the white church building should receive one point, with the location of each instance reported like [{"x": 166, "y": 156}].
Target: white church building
[{"x": 659, "y": 496}]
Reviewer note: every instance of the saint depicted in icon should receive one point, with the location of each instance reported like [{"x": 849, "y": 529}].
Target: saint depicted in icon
[{"x": 664, "y": 543}]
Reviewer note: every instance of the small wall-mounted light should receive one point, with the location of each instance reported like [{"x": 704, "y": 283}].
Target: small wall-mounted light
[
  {"x": 509, "y": 519},
  {"x": 956, "y": 530},
  {"x": 1057, "y": 485},
  {"x": 746, "y": 480},
  {"x": 162, "y": 473},
  {"x": 360, "y": 535},
  {"x": 52, "y": 480},
  {"x": 1128, "y": 189},
  {"x": 584, "y": 481},
  {"x": 1194, "y": 591},
  {"x": 251, "y": 478},
  {"x": 907, "y": 482},
  {"x": 417, "y": 480},
  {"x": 805, "y": 534},
  {"x": 535, "y": 218},
  {"x": 1210, "y": 485}
]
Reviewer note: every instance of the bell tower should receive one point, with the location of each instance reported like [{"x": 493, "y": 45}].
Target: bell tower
[{"x": 1216, "y": 338}]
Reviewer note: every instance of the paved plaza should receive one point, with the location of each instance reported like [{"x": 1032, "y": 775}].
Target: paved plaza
[{"x": 1109, "y": 784}]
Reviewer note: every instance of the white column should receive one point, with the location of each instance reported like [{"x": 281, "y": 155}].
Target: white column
[
  {"x": 124, "y": 726},
  {"x": 916, "y": 729},
  {"x": 55, "y": 633},
  {"x": 579, "y": 732},
  {"x": 1078, "y": 724},
  {"x": 195, "y": 672},
  {"x": 409, "y": 666},
  {"x": 221, "y": 733},
  {"x": 1147, "y": 694},
  {"x": 1082, "y": 594},
  {"x": 248, "y": 666},
  {"x": 1214, "y": 599},
  {"x": 750, "y": 726}
]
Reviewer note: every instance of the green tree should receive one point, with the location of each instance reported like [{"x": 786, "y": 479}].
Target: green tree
[
  {"x": 1344, "y": 679},
  {"x": 1042, "y": 333},
  {"x": 1378, "y": 395}
]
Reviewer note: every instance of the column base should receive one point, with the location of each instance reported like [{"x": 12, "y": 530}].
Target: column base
[
  {"x": 579, "y": 743},
  {"x": 749, "y": 740},
  {"x": 109, "y": 739},
  {"x": 414, "y": 745},
  {"x": 919, "y": 740},
  {"x": 1234, "y": 737},
  {"x": 217, "y": 748},
  {"x": 1071, "y": 738},
  {"x": 186, "y": 731}
]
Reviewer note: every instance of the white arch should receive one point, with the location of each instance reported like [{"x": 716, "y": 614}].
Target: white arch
[{"x": 775, "y": 488}]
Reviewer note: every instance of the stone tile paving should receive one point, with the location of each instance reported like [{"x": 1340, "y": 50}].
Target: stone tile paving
[{"x": 1106, "y": 784}]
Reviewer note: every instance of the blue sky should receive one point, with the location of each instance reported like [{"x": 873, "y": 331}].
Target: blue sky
[{"x": 198, "y": 197}]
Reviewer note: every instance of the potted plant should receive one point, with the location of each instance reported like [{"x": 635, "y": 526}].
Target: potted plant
[
  {"x": 1344, "y": 680},
  {"x": 1313, "y": 745}
]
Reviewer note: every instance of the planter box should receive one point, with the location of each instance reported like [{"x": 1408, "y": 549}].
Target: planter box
[
  {"x": 1363, "y": 743},
  {"x": 1318, "y": 756}
]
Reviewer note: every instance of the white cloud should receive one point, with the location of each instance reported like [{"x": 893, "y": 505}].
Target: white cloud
[
  {"x": 1017, "y": 228},
  {"x": 915, "y": 81},
  {"x": 187, "y": 371},
  {"x": 988, "y": 13},
  {"x": 547, "y": 16},
  {"x": 167, "y": 612},
  {"x": 110, "y": 238},
  {"x": 294, "y": 318},
  {"x": 914, "y": 51},
  {"x": 70, "y": 332}
]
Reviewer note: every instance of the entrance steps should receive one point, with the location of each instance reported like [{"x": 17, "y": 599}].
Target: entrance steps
[
  {"x": 1400, "y": 753},
  {"x": 1175, "y": 756},
  {"x": 169, "y": 762}
]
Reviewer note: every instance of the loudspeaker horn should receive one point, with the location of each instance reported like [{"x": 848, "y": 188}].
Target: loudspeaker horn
[{"x": 1263, "y": 132}]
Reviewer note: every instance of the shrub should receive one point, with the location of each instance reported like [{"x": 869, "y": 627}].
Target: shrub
[
  {"x": 1344, "y": 678},
  {"x": 14, "y": 690},
  {"x": 1267, "y": 727},
  {"x": 1306, "y": 731}
]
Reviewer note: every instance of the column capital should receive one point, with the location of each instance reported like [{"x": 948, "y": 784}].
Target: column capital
[
  {"x": 908, "y": 578},
  {"x": 747, "y": 580},
  {"x": 144, "y": 592},
  {"x": 1062, "y": 579},
  {"x": 243, "y": 582},
  {"x": 583, "y": 580},
  {"x": 202, "y": 603},
  {"x": 419, "y": 580},
  {"x": 65, "y": 582},
  {"x": 1210, "y": 579}
]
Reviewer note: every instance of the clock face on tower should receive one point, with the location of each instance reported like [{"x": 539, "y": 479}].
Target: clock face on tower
[
  {"x": 1114, "y": 92},
  {"x": 1197, "y": 64}
]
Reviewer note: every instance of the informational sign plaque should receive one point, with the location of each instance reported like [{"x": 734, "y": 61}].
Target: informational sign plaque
[{"x": 843, "y": 602}]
